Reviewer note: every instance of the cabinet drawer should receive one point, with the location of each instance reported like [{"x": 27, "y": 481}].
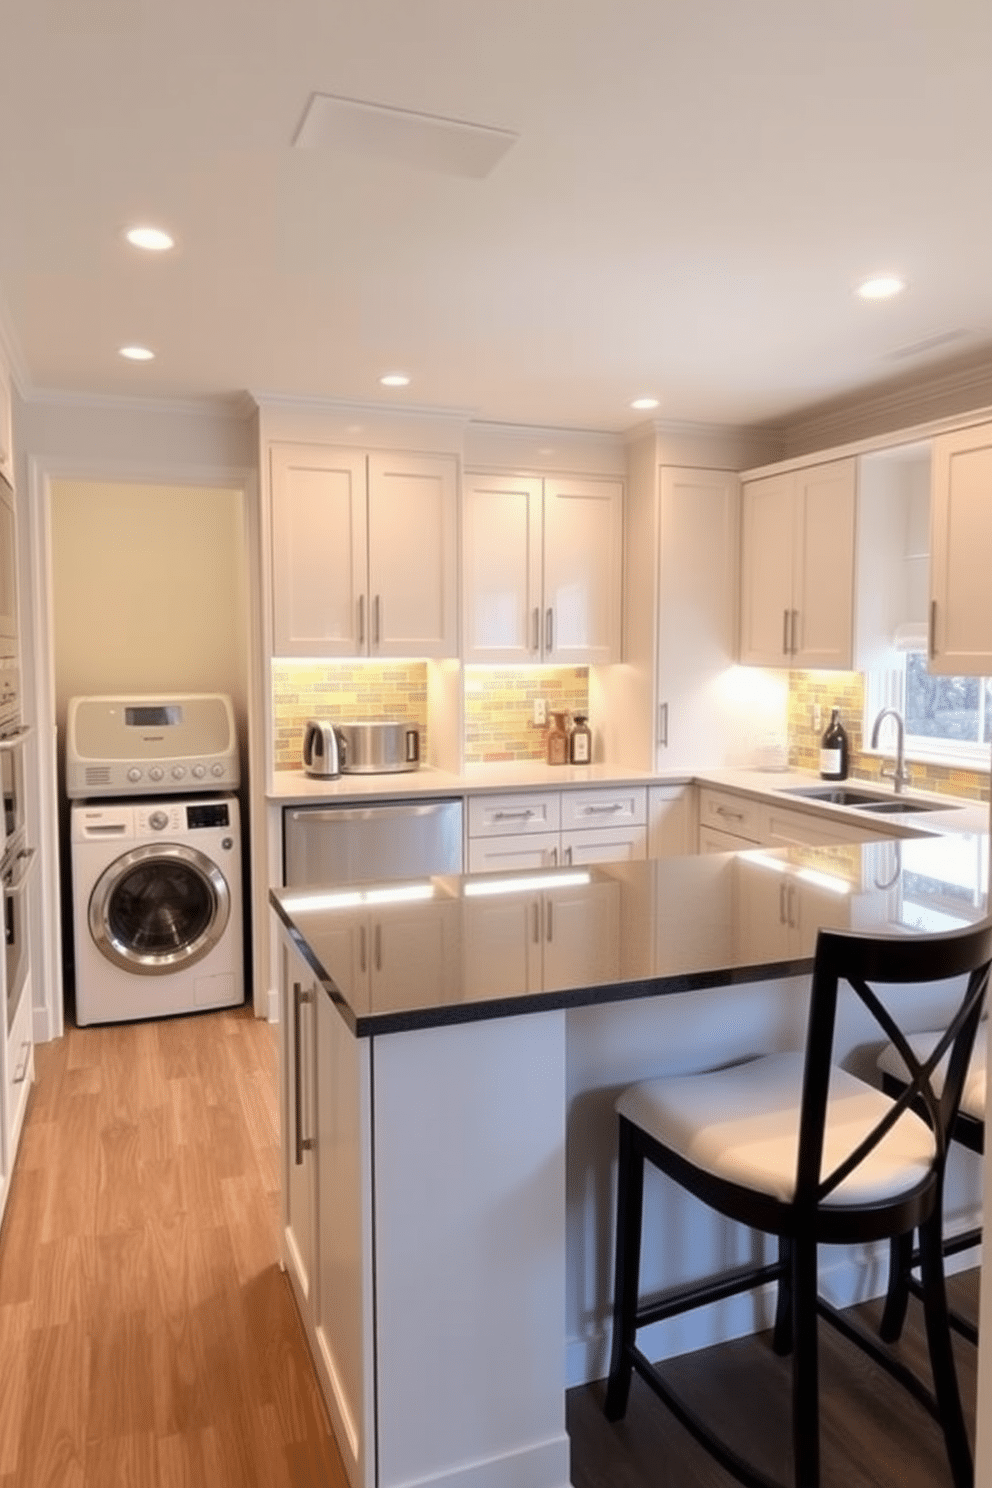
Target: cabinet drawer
[
  {"x": 616, "y": 806},
  {"x": 20, "y": 1067},
  {"x": 503, "y": 815},
  {"x": 728, "y": 812},
  {"x": 714, "y": 840},
  {"x": 613, "y": 844},
  {"x": 518, "y": 851}
]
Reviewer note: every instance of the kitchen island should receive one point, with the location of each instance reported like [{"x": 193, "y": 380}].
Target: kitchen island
[{"x": 452, "y": 1048}]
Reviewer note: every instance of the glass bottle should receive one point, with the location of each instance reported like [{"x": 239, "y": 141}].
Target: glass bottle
[
  {"x": 834, "y": 749},
  {"x": 557, "y": 740},
  {"x": 580, "y": 741}
]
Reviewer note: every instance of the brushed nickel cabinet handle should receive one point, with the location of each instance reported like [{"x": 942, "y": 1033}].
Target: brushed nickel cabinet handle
[
  {"x": 785, "y": 632},
  {"x": 377, "y": 947},
  {"x": 362, "y": 950},
  {"x": 549, "y": 924},
  {"x": 361, "y": 619},
  {"x": 932, "y": 631},
  {"x": 549, "y": 631},
  {"x": 537, "y": 629},
  {"x": 300, "y": 997},
  {"x": 663, "y": 725},
  {"x": 795, "y": 631},
  {"x": 537, "y": 926},
  {"x": 377, "y": 620}
]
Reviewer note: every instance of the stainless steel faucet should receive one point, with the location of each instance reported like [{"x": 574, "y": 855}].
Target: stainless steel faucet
[{"x": 898, "y": 774}]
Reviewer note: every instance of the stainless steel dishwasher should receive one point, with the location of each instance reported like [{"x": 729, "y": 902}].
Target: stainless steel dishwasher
[{"x": 355, "y": 844}]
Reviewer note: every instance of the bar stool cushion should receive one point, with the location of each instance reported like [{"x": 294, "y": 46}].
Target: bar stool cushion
[
  {"x": 742, "y": 1125},
  {"x": 890, "y": 1062}
]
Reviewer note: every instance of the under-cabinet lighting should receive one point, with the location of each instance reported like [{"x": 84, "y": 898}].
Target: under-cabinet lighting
[
  {"x": 824, "y": 880},
  {"x": 483, "y": 888}
]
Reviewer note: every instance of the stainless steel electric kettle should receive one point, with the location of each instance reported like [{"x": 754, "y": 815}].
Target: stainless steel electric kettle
[{"x": 320, "y": 749}]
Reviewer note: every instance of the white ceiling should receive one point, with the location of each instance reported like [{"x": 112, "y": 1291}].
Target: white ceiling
[{"x": 694, "y": 193}]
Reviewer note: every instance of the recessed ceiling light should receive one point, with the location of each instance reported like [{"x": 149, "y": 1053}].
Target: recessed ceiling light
[
  {"x": 154, "y": 239},
  {"x": 395, "y": 379},
  {"x": 137, "y": 353},
  {"x": 645, "y": 403},
  {"x": 881, "y": 287}
]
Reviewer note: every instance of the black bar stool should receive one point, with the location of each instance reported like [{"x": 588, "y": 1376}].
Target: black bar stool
[
  {"x": 794, "y": 1146},
  {"x": 969, "y": 1131}
]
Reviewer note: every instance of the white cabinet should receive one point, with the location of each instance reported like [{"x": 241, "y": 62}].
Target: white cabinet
[
  {"x": 8, "y": 565},
  {"x": 298, "y": 1098},
  {"x": 797, "y": 567},
  {"x": 542, "y": 569},
  {"x": 741, "y": 818},
  {"x": 541, "y": 939},
  {"x": 961, "y": 553},
  {"x": 364, "y": 553},
  {"x": 671, "y": 820},
  {"x": 543, "y": 829},
  {"x": 697, "y": 614},
  {"x": 729, "y": 821}
]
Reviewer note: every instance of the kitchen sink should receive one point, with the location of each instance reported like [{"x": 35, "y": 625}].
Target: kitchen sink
[{"x": 842, "y": 795}]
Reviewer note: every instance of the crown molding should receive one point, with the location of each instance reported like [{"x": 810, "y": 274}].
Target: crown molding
[
  {"x": 955, "y": 388},
  {"x": 231, "y": 405},
  {"x": 343, "y": 407}
]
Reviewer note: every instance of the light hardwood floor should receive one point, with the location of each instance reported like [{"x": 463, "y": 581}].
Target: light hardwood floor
[{"x": 147, "y": 1335}]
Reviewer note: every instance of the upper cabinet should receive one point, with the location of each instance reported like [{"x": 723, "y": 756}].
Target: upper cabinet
[
  {"x": 797, "y": 567},
  {"x": 960, "y": 631},
  {"x": 364, "y": 553},
  {"x": 542, "y": 569}
]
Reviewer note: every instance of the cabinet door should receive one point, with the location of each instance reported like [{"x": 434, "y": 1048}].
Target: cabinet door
[
  {"x": 297, "y": 1033},
  {"x": 501, "y": 946},
  {"x": 671, "y": 821},
  {"x": 8, "y": 566},
  {"x": 502, "y": 541},
  {"x": 961, "y": 553},
  {"x": 823, "y": 627},
  {"x": 697, "y": 614},
  {"x": 319, "y": 551},
  {"x": 809, "y": 829},
  {"x": 413, "y": 557},
  {"x": 526, "y": 850},
  {"x": 614, "y": 844},
  {"x": 6, "y": 427},
  {"x": 767, "y": 514},
  {"x": 583, "y": 544},
  {"x": 581, "y": 931}
]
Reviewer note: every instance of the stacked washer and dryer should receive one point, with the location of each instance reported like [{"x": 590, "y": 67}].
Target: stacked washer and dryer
[{"x": 156, "y": 855}]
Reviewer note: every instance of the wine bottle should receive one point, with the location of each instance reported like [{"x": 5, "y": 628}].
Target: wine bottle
[{"x": 833, "y": 749}]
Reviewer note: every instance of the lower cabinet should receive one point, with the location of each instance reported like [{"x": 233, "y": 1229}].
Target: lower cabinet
[
  {"x": 16, "y": 1075},
  {"x": 543, "y": 829},
  {"x": 729, "y": 822},
  {"x": 419, "y": 1235}
]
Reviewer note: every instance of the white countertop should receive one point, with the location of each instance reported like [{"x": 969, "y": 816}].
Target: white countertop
[{"x": 952, "y": 814}]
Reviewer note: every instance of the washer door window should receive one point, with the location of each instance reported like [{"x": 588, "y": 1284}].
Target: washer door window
[{"x": 159, "y": 908}]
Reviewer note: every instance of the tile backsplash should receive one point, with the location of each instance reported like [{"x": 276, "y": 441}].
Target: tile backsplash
[
  {"x": 344, "y": 690},
  {"x": 845, "y": 690},
  {"x": 499, "y": 709}
]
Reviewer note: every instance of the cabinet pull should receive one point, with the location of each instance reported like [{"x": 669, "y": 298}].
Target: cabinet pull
[
  {"x": 549, "y": 922},
  {"x": 549, "y": 631},
  {"x": 785, "y": 632},
  {"x": 795, "y": 631},
  {"x": 377, "y": 947},
  {"x": 663, "y": 725},
  {"x": 783, "y": 913},
  {"x": 361, "y": 619},
  {"x": 303, "y": 1144},
  {"x": 568, "y": 856},
  {"x": 731, "y": 815},
  {"x": 362, "y": 950},
  {"x": 932, "y": 631},
  {"x": 554, "y": 857},
  {"x": 377, "y": 620},
  {"x": 537, "y": 629},
  {"x": 601, "y": 810},
  {"x": 524, "y": 815},
  {"x": 537, "y": 927}
]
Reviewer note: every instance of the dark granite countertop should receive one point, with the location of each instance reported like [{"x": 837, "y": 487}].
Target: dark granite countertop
[{"x": 442, "y": 950}]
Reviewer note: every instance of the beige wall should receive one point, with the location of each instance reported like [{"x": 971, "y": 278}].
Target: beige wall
[{"x": 149, "y": 590}]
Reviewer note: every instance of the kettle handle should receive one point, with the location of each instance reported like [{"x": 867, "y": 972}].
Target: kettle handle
[
  {"x": 342, "y": 744},
  {"x": 413, "y": 746}
]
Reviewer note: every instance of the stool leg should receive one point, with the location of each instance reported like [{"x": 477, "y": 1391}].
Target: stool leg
[
  {"x": 945, "y": 1380},
  {"x": 805, "y": 1366},
  {"x": 897, "y": 1296},
  {"x": 630, "y": 1205},
  {"x": 782, "y": 1336}
]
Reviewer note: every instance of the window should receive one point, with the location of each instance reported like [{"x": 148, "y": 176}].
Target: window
[{"x": 946, "y": 717}]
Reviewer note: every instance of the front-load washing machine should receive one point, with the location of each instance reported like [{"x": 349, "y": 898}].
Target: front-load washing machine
[{"x": 156, "y": 907}]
